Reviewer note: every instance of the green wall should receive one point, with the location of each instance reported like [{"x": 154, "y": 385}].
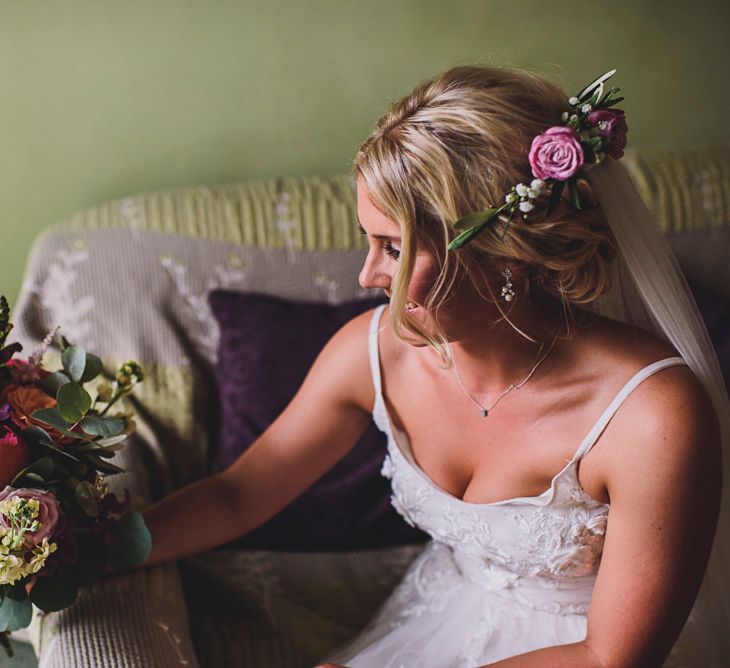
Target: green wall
[{"x": 100, "y": 100}]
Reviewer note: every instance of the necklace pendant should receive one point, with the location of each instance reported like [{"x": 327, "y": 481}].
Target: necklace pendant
[{"x": 484, "y": 412}]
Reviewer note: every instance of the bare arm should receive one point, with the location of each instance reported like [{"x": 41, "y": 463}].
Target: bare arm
[
  {"x": 320, "y": 425},
  {"x": 664, "y": 481}
]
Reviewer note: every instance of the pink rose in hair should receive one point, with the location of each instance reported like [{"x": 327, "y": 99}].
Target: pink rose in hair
[
  {"x": 556, "y": 154},
  {"x": 48, "y": 512},
  {"x": 611, "y": 124}
]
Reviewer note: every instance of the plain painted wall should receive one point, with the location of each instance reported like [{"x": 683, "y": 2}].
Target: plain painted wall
[{"x": 103, "y": 99}]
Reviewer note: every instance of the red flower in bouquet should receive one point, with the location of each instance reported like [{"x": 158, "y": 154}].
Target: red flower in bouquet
[
  {"x": 25, "y": 373},
  {"x": 13, "y": 455}
]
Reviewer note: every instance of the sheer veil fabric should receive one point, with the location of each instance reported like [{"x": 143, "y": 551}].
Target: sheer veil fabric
[{"x": 649, "y": 290}]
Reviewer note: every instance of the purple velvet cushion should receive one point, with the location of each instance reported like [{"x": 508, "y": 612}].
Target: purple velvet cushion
[
  {"x": 715, "y": 310},
  {"x": 267, "y": 346}
]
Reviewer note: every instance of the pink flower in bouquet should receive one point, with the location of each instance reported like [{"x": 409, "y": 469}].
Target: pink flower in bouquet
[
  {"x": 48, "y": 512},
  {"x": 556, "y": 154},
  {"x": 611, "y": 124},
  {"x": 24, "y": 373},
  {"x": 13, "y": 455}
]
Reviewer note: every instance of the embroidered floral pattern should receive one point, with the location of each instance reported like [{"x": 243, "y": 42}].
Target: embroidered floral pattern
[
  {"x": 204, "y": 328},
  {"x": 428, "y": 585},
  {"x": 497, "y": 545},
  {"x": 66, "y": 309}
]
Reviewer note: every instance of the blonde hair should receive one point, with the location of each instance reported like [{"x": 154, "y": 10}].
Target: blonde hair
[{"x": 455, "y": 145}]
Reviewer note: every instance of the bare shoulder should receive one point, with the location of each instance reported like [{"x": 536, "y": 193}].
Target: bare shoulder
[
  {"x": 659, "y": 462},
  {"x": 348, "y": 353},
  {"x": 667, "y": 424}
]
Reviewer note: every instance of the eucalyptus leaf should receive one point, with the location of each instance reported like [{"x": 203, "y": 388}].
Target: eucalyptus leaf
[
  {"x": 42, "y": 468},
  {"x": 15, "y": 615},
  {"x": 104, "y": 453},
  {"x": 102, "y": 426},
  {"x": 476, "y": 218},
  {"x": 34, "y": 435},
  {"x": 134, "y": 544},
  {"x": 53, "y": 381},
  {"x": 465, "y": 237},
  {"x": 52, "y": 446},
  {"x": 53, "y": 592},
  {"x": 98, "y": 463},
  {"x": 74, "y": 362},
  {"x": 92, "y": 369},
  {"x": 73, "y": 401},
  {"x": 95, "y": 449},
  {"x": 113, "y": 443},
  {"x": 51, "y": 417}
]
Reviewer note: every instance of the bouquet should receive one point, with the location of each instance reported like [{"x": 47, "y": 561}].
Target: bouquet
[{"x": 60, "y": 527}]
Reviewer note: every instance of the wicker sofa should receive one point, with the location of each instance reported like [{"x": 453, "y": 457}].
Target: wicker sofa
[{"x": 129, "y": 279}]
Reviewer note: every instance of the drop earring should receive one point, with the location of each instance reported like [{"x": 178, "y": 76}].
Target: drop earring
[{"x": 507, "y": 292}]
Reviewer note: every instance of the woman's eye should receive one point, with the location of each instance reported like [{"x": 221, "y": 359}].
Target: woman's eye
[{"x": 391, "y": 252}]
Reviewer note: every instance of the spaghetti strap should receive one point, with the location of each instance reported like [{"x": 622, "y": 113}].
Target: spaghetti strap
[
  {"x": 374, "y": 353},
  {"x": 590, "y": 440}
]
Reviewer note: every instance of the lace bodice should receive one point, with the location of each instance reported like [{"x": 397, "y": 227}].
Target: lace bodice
[{"x": 549, "y": 546}]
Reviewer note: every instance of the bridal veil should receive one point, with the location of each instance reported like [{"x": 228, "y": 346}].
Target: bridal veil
[{"x": 649, "y": 290}]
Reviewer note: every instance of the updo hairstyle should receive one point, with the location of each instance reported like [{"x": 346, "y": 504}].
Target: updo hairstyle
[{"x": 456, "y": 145}]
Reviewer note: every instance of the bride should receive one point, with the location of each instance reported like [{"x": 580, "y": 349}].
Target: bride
[{"x": 553, "y": 407}]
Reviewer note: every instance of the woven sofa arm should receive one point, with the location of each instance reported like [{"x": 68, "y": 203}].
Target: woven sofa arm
[
  {"x": 131, "y": 620},
  {"x": 137, "y": 619}
]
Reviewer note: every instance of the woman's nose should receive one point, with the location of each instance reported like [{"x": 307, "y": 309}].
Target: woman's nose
[{"x": 371, "y": 277}]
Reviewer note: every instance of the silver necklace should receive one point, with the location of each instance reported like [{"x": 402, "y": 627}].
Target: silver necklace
[{"x": 484, "y": 410}]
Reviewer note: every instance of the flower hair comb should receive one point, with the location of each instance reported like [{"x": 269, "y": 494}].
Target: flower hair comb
[{"x": 591, "y": 131}]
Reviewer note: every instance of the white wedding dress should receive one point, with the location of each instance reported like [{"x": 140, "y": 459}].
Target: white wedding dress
[{"x": 497, "y": 579}]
